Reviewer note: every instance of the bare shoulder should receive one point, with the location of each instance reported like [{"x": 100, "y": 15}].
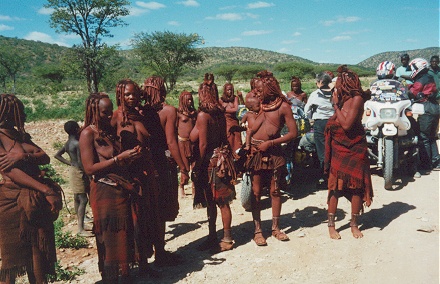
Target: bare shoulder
[
  {"x": 86, "y": 132},
  {"x": 203, "y": 115},
  {"x": 285, "y": 108},
  {"x": 356, "y": 102},
  {"x": 169, "y": 108}
]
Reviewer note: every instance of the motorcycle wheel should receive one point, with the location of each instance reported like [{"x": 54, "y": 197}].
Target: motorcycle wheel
[{"x": 388, "y": 163}]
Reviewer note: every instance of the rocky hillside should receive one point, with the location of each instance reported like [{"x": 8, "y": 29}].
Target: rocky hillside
[
  {"x": 44, "y": 53},
  {"x": 243, "y": 55},
  {"x": 394, "y": 56}
]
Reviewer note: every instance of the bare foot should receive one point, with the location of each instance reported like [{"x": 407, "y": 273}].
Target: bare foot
[
  {"x": 333, "y": 233},
  {"x": 356, "y": 232}
]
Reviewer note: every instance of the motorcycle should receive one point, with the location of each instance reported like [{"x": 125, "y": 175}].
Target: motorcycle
[
  {"x": 390, "y": 137},
  {"x": 297, "y": 152}
]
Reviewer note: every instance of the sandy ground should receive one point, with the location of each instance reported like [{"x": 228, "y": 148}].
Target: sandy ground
[{"x": 400, "y": 244}]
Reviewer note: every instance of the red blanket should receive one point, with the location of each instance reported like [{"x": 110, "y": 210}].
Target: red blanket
[{"x": 346, "y": 157}]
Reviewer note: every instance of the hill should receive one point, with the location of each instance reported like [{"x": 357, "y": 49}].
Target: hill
[
  {"x": 394, "y": 56},
  {"x": 45, "y": 53},
  {"x": 40, "y": 52},
  {"x": 215, "y": 56}
]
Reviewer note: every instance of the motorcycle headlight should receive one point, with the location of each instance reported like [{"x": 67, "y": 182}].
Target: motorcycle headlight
[{"x": 388, "y": 113}]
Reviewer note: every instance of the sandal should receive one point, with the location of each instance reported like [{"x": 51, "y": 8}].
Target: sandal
[
  {"x": 226, "y": 245},
  {"x": 259, "y": 239},
  {"x": 222, "y": 246},
  {"x": 280, "y": 235}
]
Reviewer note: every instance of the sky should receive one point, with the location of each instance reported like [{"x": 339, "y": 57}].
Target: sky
[{"x": 324, "y": 31}]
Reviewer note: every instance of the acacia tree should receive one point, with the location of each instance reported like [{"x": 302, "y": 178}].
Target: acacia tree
[
  {"x": 168, "y": 53},
  {"x": 249, "y": 71},
  {"x": 52, "y": 72},
  {"x": 227, "y": 71},
  {"x": 91, "y": 20}
]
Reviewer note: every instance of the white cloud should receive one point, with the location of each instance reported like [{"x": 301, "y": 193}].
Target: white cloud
[
  {"x": 234, "y": 39},
  {"x": 9, "y": 18},
  {"x": 137, "y": 11},
  {"x": 328, "y": 23},
  {"x": 296, "y": 34},
  {"x": 348, "y": 19},
  {"x": 284, "y": 50},
  {"x": 255, "y": 32},
  {"x": 5, "y": 28},
  {"x": 5, "y": 18},
  {"x": 252, "y": 16},
  {"x": 341, "y": 38},
  {"x": 411, "y": 40},
  {"x": 289, "y": 41},
  {"x": 69, "y": 36},
  {"x": 227, "y": 7},
  {"x": 259, "y": 4},
  {"x": 189, "y": 3},
  {"x": 226, "y": 17},
  {"x": 350, "y": 33},
  {"x": 173, "y": 23},
  {"x": 38, "y": 36},
  {"x": 45, "y": 11},
  {"x": 150, "y": 5},
  {"x": 341, "y": 20}
]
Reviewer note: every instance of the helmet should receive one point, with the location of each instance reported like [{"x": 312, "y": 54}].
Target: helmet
[
  {"x": 385, "y": 69},
  {"x": 418, "y": 65}
]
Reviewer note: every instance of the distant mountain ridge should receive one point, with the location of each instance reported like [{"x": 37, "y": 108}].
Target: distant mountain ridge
[
  {"x": 244, "y": 55},
  {"x": 44, "y": 53},
  {"x": 394, "y": 56}
]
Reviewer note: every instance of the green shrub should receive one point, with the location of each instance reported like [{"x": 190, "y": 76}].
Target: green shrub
[
  {"x": 66, "y": 239},
  {"x": 58, "y": 145},
  {"x": 63, "y": 274},
  {"x": 52, "y": 174}
]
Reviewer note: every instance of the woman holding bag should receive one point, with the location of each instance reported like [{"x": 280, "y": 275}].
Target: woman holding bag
[{"x": 110, "y": 189}]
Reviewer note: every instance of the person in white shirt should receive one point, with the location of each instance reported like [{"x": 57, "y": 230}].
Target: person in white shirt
[
  {"x": 404, "y": 71},
  {"x": 319, "y": 109}
]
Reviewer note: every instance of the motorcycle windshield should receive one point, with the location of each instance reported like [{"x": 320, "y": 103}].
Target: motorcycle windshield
[{"x": 388, "y": 90}]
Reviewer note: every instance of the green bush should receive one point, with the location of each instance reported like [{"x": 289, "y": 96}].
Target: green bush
[
  {"x": 66, "y": 239},
  {"x": 63, "y": 274},
  {"x": 58, "y": 145},
  {"x": 52, "y": 174}
]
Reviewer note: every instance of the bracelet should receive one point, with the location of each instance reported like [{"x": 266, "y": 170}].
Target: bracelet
[
  {"x": 185, "y": 172},
  {"x": 115, "y": 160},
  {"x": 272, "y": 143}
]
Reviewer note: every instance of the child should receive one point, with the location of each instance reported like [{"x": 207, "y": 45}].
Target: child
[
  {"x": 78, "y": 180},
  {"x": 253, "y": 106},
  {"x": 186, "y": 119}
]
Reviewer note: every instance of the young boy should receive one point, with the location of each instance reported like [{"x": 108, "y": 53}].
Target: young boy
[{"x": 78, "y": 180}]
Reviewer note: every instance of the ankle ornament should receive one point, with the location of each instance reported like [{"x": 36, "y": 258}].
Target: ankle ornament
[
  {"x": 354, "y": 219},
  {"x": 331, "y": 220}
]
